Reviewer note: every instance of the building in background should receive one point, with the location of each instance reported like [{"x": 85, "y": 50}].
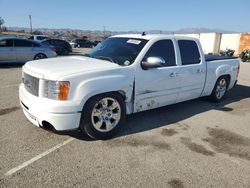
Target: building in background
[
  {"x": 214, "y": 42},
  {"x": 244, "y": 42}
]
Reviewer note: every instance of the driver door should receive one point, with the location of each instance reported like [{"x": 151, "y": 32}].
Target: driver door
[{"x": 156, "y": 87}]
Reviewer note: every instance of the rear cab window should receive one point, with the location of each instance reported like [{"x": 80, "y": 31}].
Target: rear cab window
[{"x": 189, "y": 52}]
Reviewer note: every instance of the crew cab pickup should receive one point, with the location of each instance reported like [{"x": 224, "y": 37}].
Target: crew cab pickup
[{"x": 124, "y": 74}]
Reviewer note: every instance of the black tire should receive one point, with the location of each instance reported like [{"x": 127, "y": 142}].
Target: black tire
[
  {"x": 40, "y": 56},
  {"x": 65, "y": 52},
  {"x": 87, "y": 124},
  {"x": 215, "y": 96}
]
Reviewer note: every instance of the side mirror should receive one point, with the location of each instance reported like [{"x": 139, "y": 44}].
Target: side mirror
[{"x": 153, "y": 62}]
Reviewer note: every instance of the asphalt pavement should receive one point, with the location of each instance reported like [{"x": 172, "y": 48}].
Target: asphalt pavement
[{"x": 191, "y": 144}]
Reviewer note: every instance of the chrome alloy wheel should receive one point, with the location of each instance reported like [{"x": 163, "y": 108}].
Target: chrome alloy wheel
[
  {"x": 221, "y": 88},
  {"x": 106, "y": 114},
  {"x": 40, "y": 56}
]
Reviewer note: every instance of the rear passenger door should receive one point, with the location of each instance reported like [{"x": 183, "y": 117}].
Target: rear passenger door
[
  {"x": 192, "y": 70},
  {"x": 7, "y": 53}
]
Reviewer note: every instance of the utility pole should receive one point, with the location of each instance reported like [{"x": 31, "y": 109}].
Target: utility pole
[
  {"x": 104, "y": 30},
  {"x": 30, "y": 24}
]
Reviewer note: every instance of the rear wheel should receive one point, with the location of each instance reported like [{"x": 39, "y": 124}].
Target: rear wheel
[
  {"x": 103, "y": 115},
  {"x": 220, "y": 89},
  {"x": 40, "y": 56},
  {"x": 65, "y": 52}
]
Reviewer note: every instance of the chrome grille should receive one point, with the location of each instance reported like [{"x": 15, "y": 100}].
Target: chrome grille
[{"x": 31, "y": 84}]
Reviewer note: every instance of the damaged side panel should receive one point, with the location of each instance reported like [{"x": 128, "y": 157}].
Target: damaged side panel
[{"x": 121, "y": 81}]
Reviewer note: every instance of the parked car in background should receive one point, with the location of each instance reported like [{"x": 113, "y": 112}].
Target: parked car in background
[
  {"x": 72, "y": 43},
  {"x": 38, "y": 37},
  {"x": 19, "y": 50},
  {"x": 83, "y": 43},
  {"x": 62, "y": 46},
  {"x": 96, "y": 42}
]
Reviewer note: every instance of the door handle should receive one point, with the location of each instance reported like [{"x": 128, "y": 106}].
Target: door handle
[
  {"x": 174, "y": 74},
  {"x": 199, "y": 71}
]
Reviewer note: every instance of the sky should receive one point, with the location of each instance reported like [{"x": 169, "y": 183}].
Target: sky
[{"x": 128, "y": 15}]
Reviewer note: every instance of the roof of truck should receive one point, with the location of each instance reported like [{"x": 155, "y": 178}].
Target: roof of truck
[{"x": 150, "y": 36}]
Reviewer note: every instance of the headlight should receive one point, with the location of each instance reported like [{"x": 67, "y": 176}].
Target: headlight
[{"x": 58, "y": 90}]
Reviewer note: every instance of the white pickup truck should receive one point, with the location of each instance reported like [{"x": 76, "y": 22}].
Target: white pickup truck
[{"x": 122, "y": 75}]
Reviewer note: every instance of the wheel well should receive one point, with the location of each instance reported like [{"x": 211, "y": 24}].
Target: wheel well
[
  {"x": 121, "y": 93},
  {"x": 40, "y": 53}
]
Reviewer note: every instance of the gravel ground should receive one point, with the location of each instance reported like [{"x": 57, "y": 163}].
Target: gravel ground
[{"x": 191, "y": 144}]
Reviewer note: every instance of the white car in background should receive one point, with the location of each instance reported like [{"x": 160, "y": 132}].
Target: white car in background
[
  {"x": 17, "y": 50},
  {"x": 38, "y": 37},
  {"x": 72, "y": 43}
]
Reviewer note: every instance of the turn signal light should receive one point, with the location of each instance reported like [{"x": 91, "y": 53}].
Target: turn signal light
[{"x": 63, "y": 90}]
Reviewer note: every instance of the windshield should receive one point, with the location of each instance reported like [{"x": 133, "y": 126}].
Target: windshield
[{"x": 122, "y": 51}]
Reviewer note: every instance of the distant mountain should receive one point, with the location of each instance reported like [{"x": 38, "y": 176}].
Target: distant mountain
[
  {"x": 202, "y": 30},
  {"x": 65, "y": 30}
]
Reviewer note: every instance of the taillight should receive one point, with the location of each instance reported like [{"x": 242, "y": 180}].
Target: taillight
[
  {"x": 53, "y": 49},
  {"x": 238, "y": 70}
]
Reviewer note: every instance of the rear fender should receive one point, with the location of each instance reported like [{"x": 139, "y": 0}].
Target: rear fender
[{"x": 223, "y": 70}]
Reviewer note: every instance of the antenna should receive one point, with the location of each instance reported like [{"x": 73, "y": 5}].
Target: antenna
[{"x": 143, "y": 33}]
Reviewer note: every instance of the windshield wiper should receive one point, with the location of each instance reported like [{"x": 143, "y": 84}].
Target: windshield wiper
[{"x": 105, "y": 58}]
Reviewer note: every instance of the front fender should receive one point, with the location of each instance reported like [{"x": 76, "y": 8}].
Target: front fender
[{"x": 103, "y": 84}]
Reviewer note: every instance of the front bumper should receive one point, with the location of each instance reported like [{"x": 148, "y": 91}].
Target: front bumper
[{"x": 41, "y": 111}]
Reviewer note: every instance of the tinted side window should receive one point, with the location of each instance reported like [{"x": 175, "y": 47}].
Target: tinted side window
[
  {"x": 40, "y": 37},
  {"x": 3, "y": 43},
  {"x": 189, "y": 52},
  {"x": 6, "y": 43},
  {"x": 59, "y": 42},
  {"x": 163, "y": 49},
  {"x": 36, "y": 44},
  {"x": 52, "y": 42},
  {"x": 46, "y": 42},
  {"x": 22, "y": 43}
]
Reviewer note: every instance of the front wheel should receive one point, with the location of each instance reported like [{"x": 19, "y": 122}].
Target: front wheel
[
  {"x": 220, "y": 89},
  {"x": 40, "y": 56},
  {"x": 103, "y": 115}
]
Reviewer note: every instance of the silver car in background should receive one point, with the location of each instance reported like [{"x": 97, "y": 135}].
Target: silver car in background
[{"x": 18, "y": 50}]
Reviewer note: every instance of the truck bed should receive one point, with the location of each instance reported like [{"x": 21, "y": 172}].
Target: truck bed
[{"x": 217, "y": 57}]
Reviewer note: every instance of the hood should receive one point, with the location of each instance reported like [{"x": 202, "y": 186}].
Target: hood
[{"x": 65, "y": 66}]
